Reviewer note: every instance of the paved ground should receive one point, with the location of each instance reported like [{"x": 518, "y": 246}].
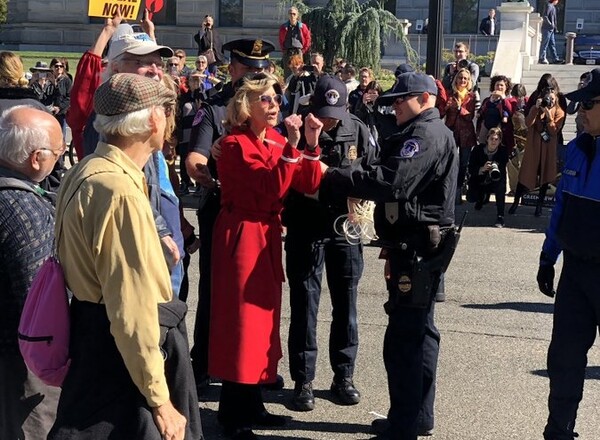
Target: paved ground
[{"x": 495, "y": 326}]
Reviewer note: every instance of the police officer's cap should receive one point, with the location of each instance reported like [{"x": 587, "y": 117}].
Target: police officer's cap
[
  {"x": 330, "y": 98},
  {"x": 590, "y": 90},
  {"x": 409, "y": 83},
  {"x": 403, "y": 68},
  {"x": 251, "y": 52}
]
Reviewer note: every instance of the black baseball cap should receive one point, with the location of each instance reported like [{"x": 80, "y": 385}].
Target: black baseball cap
[
  {"x": 330, "y": 98},
  {"x": 409, "y": 83},
  {"x": 589, "y": 91},
  {"x": 250, "y": 52},
  {"x": 403, "y": 68}
]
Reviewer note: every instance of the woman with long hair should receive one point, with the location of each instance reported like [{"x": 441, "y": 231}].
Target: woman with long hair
[
  {"x": 257, "y": 167},
  {"x": 496, "y": 111},
  {"x": 460, "y": 111},
  {"x": 61, "y": 99},
  {"x": 545, "y": 119}
]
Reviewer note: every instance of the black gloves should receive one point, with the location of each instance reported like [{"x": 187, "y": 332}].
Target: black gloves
[{"x": 545, "y": 276}]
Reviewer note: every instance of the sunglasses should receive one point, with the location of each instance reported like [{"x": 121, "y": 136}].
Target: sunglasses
[
  {"x": 589, "y": 104},
  {"x": 58, "y": 66},
  {"x": 173, "y": 64},
  {"x": 266, "y": 99},
  {"x": 401, "y": 99}
]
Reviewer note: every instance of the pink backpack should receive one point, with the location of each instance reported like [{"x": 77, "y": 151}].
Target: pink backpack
[{"x": 44, "y": 329}]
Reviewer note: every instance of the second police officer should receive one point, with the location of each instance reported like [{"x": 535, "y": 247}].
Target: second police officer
[
  {"x": 413, "y": 185},
  {"x": 312, "y": 245}
]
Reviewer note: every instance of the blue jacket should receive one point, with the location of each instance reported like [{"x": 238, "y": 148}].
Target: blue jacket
[{"x": 574, "y": 225}]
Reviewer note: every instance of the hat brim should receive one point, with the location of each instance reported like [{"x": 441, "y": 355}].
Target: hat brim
[
  {"x": 389, "y": 98},
  {"x": 332, "y": 112},
  {"x": 164, "y": 51},
  {"x": 252, "y": 62},
  {"x": 583, "y": 94},
  {"x": 39, "y": 69}
]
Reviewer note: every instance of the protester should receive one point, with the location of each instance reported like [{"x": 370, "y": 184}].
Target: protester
[
  {"x": 549, "y": 28},
  {"x": 413, "y": 186},
  {"x": 113, "y": 327},
  {"x": 460, "y": 111},
  {"x": 365, "y": 76},
  {"x": 183, "y": 69},
  {"x": 250, "y": 300},
  {"x": 209, "y": 44},
  {"x": 349, "y": 78},
  {"x": 487, "y": 171},
  {"x": 545, "y": 120},
  {"x": 42, "y": 84},
  {"x": 380, "y": 122},
  {"x": 573, "y": 231},
  {"x": 488, "y": 24},
  {"x": 14, "y": 88},
  {"x": 519, "y": 100},
  {"x": 61, "y": 98},
  {"x": 294, "y": 39},
  {"x": 247, "y": 56},
  {"x": 30, "y": 144},
  {"x": 461, "y": 54},
  {"x": 312, "y": 244},
  {"x": 496, "y": 111},
  {"x": 301, "y": 82},
  {"x": 318, "y": 62}
]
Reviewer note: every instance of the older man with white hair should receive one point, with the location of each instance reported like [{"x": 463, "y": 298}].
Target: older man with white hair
[{"x": 30, "y": 144}]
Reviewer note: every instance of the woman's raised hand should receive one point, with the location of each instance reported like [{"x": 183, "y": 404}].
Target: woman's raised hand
[
  {"x": 312, "y": 131},
  {"x": 293, "y": 124}
]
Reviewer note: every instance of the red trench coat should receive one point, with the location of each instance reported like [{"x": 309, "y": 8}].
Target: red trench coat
[
  {"x": 539, "y": 158},
  {"x": 247, "y": 270},
  {"x": 461, "y": 121}
]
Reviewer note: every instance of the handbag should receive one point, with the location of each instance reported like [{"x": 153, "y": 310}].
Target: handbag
[{"x": 210, "y": 53}]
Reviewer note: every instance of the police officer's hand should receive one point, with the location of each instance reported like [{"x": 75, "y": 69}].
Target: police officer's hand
[
  {"x": 312, "y": 130},
  {"x": 545, "y": 276}
]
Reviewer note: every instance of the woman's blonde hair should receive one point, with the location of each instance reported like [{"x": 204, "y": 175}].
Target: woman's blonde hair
[
  {"x": 253, "y": 85},
  {"x": 11, "y": 70},
  {"x": 171, "y": 122},
  {"x": 469, "y": 83}
]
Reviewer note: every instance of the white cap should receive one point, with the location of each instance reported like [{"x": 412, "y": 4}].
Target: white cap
[{"x": 136, "y": 43}]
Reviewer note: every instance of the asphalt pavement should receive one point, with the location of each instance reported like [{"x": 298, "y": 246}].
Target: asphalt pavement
[{"x": 495, "y": 325}]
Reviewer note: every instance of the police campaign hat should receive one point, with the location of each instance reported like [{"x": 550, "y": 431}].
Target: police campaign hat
[
  {"x": 129, "y": 92},
  {"x": 590, "y": 90},
  {"x": 250, "y": 52},
  {"x": 330, "y": 98},
  {"x": 409, "y": 83}
]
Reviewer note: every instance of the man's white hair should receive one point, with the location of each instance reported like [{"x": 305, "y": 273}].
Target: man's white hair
[
  {"x": 127, "y": 124},
  {"x": 17, "y": 142}
]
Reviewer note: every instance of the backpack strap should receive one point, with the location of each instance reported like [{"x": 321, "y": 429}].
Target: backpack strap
[{"x": 14, "y": 183}]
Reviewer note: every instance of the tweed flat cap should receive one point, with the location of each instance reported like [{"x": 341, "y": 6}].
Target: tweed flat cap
[{"x": 129, "y": 92}]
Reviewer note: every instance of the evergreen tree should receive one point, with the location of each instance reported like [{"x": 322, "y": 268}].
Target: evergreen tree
[
  {"x": 3, "y": 10},
  {"x": 354, "y": 31}
]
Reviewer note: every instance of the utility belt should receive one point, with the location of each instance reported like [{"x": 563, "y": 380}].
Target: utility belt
[{"x": 415, "y": 267}]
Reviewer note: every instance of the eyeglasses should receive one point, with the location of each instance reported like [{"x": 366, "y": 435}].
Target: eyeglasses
[
  {"x": 58, "y": 66},
  {"x": 267, "y": 99},
  {"x": 401, "y": 99},
  {"x": 56, "y": 152},
  {"x": 173, "y": 64},
  {"x": 180, "y": 56},
  {"x": 293, "y": 13},
  {"x": 589, "y": 104},
  {"x": 144, "y": 62}
]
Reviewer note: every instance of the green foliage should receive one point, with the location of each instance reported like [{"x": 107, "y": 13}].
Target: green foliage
[
  {"x": 3, "y": 11},
  {"x": 481, "y": 60},
  {"x": 347, "y": 29}
]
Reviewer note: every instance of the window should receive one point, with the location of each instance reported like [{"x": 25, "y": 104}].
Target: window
[
  {"x": 230, "y": 13},
  {"x": 465, "y": 16}
]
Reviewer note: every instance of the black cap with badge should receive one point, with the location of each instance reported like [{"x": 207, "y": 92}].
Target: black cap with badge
[
  {"x": 250, "y": 52},
  {"x": 330, "y": 98},
  {"x": 409, "y": 83}
]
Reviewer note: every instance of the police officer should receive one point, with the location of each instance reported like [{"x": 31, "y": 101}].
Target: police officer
[
  {"x": 312, "y": 245},
  {"x": 574, "y": 230},
  {"x": 247, "y": 56},
  {"x": 413, "y": 186}
]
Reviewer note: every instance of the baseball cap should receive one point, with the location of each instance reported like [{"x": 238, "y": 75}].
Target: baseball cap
[
  {"x": 130, "y": 92},
  {"x": 403, "y": 68},
  {"x": 589, "y": 91},
  {"x": 330, "y": 98},
  {"x": 125, "y": 40},
  {"x": 250, "y": 52},
  {"x": 408, "y": 83}
]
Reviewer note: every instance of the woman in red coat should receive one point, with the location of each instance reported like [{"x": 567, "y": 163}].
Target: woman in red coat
[
  {"x": 460, "y": 111},
  {"x": 257, "y": 167}
]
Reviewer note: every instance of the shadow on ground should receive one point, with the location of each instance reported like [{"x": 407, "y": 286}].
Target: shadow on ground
[{"x": 517, "y": 306}]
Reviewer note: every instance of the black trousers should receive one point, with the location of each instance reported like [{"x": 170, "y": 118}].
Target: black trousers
[
  {"x": 199, "y": 352},
  {"x": 479, "y": 191},
  {"x": 576, "y": 323},
  {"x": 239, "y": 405},
  {"x": 410, "y": 355},
  {"x": 305, "y": 261}
]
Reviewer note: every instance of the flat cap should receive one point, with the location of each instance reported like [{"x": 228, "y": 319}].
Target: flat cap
[{"x": 130, "y": 92}]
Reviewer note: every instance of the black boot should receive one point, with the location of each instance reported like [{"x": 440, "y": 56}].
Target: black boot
[
  {"x": 540, "y": 201},
  {"x": 518, "y": 194}
]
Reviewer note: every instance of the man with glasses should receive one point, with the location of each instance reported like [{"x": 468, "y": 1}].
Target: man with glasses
[
  {"x": 461, "y": 54},
  {"x": 182, "y": 68},
  {"x": 413, "y": 186},
  {"x": 574, "y": 231},
  {"x": 294, "y": 39},
  {"x": 30, "y": 144}
]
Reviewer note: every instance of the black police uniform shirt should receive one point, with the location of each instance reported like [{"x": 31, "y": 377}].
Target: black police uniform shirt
[
  {"x": 348, "y": 142},
  {"x": 415, "y": 177}
]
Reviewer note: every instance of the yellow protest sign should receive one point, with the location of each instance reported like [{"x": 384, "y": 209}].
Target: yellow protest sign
[{"x": 107, "y": 8}]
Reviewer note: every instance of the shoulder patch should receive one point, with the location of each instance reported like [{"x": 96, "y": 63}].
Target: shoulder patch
[
  {"x": 410, "y": 148},
  {"x": 198, "y": 117}
]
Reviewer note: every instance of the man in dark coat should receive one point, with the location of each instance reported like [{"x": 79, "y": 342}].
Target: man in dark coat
[{"x": 488, "y": 24}]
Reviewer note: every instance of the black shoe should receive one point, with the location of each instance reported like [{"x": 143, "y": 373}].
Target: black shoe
[
  {"x": 304, "y": 399},
  {"x": 265, "y": 418},
  {"x": 275, "y": 386},
  {"x": 422, "y": 432},
  {"x": 380, "y": 426},
  {"x": 242, "y": 434},
  {"x": 513, "y": 208},
  {"x": 499, "y": 222},
  {"x": 538, "y": 211},
  {"x": 345, "y": 392}
]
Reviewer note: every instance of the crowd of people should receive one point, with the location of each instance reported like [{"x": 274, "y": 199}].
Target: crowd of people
[{"x": 262, "y": 153}]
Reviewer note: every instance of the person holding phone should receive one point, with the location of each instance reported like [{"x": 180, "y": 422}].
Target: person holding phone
[{"x": 209, "y": 44}]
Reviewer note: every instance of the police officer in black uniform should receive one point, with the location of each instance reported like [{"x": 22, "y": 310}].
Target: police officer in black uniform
[
  {"x": 574, "y": 231},
  {"x": 413, "y": 186},
  {"x": 247, "y": 56},
  {"x": 312, "y": 245}
]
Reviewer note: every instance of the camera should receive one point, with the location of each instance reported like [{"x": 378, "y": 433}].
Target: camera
[
  {"x": 545, "y": 136},
  {"x": 462, "y": 64},
  {"x": 308, "y": 68},
  {"x": 495, "y": 173},
  {"x": 547, "y": 99}
]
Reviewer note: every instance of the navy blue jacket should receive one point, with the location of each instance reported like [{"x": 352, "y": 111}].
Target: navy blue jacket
[{"x": 574, "y": 224}]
